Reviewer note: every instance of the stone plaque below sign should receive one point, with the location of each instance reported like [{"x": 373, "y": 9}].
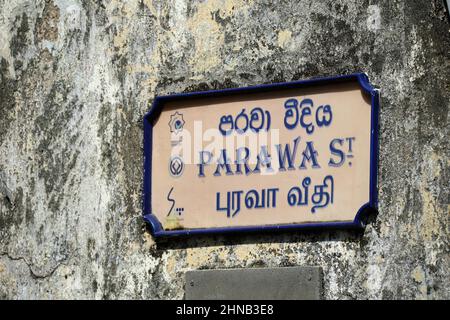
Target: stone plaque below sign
[{"x": 288, "y": 283}]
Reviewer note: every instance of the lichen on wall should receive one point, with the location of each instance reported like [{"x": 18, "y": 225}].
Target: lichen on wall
[{"x": 76, "y": 78}]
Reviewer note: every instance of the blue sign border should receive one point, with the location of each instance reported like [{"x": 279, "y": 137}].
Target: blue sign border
[{"x": 158, "y": 104}]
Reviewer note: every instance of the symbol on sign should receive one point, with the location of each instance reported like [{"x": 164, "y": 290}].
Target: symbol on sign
[
  {"x": 176, "y": 167},
  {"x": 176, "y": 122},
  {"x": 170, "y": 200},
  {"x": 178, "y": 211}
]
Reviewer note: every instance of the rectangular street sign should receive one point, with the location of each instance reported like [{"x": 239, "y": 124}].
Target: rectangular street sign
[{"x": 281, "y": 156}]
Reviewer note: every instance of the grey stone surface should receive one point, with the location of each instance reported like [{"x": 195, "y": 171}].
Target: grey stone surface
[
  {"x": 289, "y": 283},
  {"x": 77, "y": 76}
]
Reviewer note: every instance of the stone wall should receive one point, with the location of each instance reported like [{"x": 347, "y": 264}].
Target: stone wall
[{"x": 76, "y": 78}]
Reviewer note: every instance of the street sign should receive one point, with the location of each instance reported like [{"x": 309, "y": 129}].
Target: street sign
[{"x": 282, "y": 156}]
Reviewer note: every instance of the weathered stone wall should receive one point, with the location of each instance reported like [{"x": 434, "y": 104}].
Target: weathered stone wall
[{"x": 76, "y": 78}]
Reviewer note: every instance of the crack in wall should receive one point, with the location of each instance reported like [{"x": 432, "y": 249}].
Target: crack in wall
[{"x": 33, "y": 273}]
